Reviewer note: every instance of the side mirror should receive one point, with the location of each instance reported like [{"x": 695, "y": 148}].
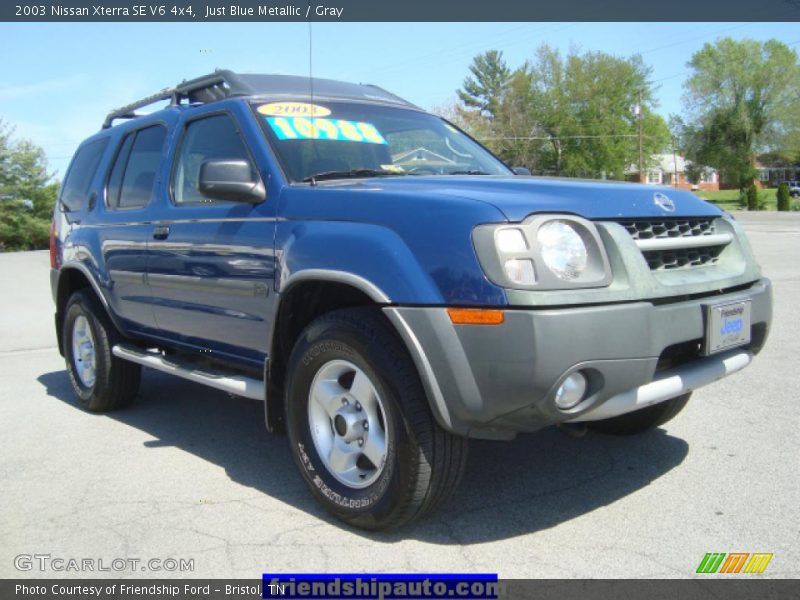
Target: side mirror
[
  {"x": 520, "y": 170},
  {"x": 232, "y": 180}
]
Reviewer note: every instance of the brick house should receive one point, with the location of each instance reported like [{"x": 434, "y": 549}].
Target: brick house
[
  {"x": 670, "y": 170},
  {"x": 774, "y": 170},
  {"x": 771, "y": 173}
]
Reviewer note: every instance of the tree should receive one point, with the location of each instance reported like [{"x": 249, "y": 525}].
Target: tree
[
  {"x": 516, "y": 135},
  {"x": 694, "y": 172},
  {"x": 484, "y": 89},
  {"x": 572, "y": 115},
  {"x": 542, "y": 94},
  {"x": 27, "y": 194},
  {"x": 603, "y": 89},
  {"x": 743, "y": 98}
]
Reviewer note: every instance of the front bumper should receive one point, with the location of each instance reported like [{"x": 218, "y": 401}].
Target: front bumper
[{"x": 495, "y": 381}]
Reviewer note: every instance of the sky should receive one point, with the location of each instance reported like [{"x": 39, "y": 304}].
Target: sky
[{"x": 60, "y": 80}]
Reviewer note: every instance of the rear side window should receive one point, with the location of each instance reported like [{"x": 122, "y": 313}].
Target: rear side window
[
  {"x": 74, "y": 193},
  {"x": 210, "y": 138},
  {"x": 115, "y": 180},
  {"x": 133, "y": 176}
]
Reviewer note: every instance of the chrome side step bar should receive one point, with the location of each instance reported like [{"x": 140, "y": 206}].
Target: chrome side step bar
[
  {"x": 670, "y": 384},
  {"x": 238, "y": 385}
]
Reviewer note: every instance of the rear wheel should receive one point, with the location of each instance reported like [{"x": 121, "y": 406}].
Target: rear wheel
[
  {"x": 643, "y": 419},
  {"x": 101, "y": 381},
  {"x": 360, "y": 427}
]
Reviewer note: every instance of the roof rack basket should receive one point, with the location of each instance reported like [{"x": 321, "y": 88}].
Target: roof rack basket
[{"x": 209, "y": 88}]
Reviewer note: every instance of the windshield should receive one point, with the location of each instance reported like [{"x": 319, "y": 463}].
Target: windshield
[{"x": 348, "y": 139}]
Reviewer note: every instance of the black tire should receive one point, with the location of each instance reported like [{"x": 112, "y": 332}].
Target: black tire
[
  {"x": 116, "y": 381},
  {"x": 423, "y": 464},
  {"x": 643, "y": 419}
]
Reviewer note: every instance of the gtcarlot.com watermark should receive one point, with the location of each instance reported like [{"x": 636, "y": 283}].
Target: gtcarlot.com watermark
[{"x": 62, "y": 564}]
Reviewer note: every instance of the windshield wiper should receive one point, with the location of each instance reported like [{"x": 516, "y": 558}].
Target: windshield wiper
[
  {"x": 473, "y": 172},
  {"x": 352, "y": 173}
]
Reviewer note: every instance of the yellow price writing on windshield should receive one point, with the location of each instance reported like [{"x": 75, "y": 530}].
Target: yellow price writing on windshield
[{"x": 302, "y": 128}]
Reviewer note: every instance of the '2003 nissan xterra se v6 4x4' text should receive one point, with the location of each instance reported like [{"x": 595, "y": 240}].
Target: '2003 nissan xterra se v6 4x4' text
[{"x": 383, "y": 283}]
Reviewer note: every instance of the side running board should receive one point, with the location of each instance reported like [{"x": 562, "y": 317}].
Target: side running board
[{"x": 238, "y": 385}]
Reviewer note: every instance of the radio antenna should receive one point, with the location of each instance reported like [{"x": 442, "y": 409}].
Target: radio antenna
[
  {"x": 310, "y": 62},
  {"x": 311, "y": 89}
]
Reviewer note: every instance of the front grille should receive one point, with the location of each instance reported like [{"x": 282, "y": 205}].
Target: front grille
[
  {"x": 659, "y": 260},
  {"x": 668, "y": 244},
  {"x": 668, "y": 228}
]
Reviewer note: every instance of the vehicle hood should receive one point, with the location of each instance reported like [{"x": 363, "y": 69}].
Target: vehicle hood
[{"x": 517, "y": 197}]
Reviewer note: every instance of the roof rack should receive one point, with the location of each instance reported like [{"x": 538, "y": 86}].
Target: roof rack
[
  {"x": 223, "y": 84},
  {"x": 209, "y": 88}
]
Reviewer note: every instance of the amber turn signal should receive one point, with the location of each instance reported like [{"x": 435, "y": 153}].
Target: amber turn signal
[{"x": 476, "y": 316}]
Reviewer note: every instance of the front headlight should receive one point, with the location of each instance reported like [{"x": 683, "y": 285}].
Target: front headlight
[
  {"x": 543, "y": 252},
  {"x": 562, "y": 249}
]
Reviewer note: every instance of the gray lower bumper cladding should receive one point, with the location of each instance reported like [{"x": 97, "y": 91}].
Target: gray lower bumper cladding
[{"x": 495, "y": 381}]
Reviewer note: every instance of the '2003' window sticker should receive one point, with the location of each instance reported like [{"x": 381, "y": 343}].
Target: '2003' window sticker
[
  {"x": 293, "y": 109},
  {"x": 302, "y": 128}
]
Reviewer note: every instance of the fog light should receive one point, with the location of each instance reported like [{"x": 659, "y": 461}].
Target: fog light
[{"x": 571, "y": 391}]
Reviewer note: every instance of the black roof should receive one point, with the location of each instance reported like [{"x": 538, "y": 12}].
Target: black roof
[{"x": 223, "y": 84}]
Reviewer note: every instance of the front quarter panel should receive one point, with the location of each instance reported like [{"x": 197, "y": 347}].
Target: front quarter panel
[
  {"x": 366, "y": 256},
  {"x": 414, "y": 249}
]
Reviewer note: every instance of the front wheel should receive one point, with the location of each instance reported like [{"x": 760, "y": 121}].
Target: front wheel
[
  {"x": 360, "y": 427},
  {"x": 643, "y": 419}
]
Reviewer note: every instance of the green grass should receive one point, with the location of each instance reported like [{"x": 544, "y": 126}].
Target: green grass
[{"x": 729, "y": 199}]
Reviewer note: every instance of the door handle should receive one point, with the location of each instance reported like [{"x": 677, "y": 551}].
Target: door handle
[{"x": 161, "y": 232}]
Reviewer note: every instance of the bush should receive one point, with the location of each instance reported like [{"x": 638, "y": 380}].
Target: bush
[
  {"x": 784, "y": 200},
  {"x": 763, "y": 200},
  {"x": 752, "y": 197},
  {"x": 742, "y": 199}
]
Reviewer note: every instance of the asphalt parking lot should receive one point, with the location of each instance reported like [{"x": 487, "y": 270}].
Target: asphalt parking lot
[{"x": 190, "y": 473}]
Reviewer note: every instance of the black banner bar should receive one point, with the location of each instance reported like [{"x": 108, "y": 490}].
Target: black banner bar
[{"x": 405, "y": 10}]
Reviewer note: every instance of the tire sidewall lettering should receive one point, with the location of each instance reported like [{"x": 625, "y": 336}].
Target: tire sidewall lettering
[
  {"x": 317, "y": 349},
  {"x": 375, "y": 491}
]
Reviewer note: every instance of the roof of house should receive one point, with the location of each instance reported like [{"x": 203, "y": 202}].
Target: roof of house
[
  {"x": 666, "y": 163},
  {"x": 770, "y": 161},
  {"x": 670, "y": 163}
]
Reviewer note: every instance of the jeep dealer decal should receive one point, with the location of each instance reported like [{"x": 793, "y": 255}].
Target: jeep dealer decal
[
  {"x": 293, "y": 109},
  {"x": 301, "y": 128}
]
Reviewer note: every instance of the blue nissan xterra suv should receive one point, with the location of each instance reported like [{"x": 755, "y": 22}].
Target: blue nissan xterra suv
[{"x": 384, "y": 284}]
